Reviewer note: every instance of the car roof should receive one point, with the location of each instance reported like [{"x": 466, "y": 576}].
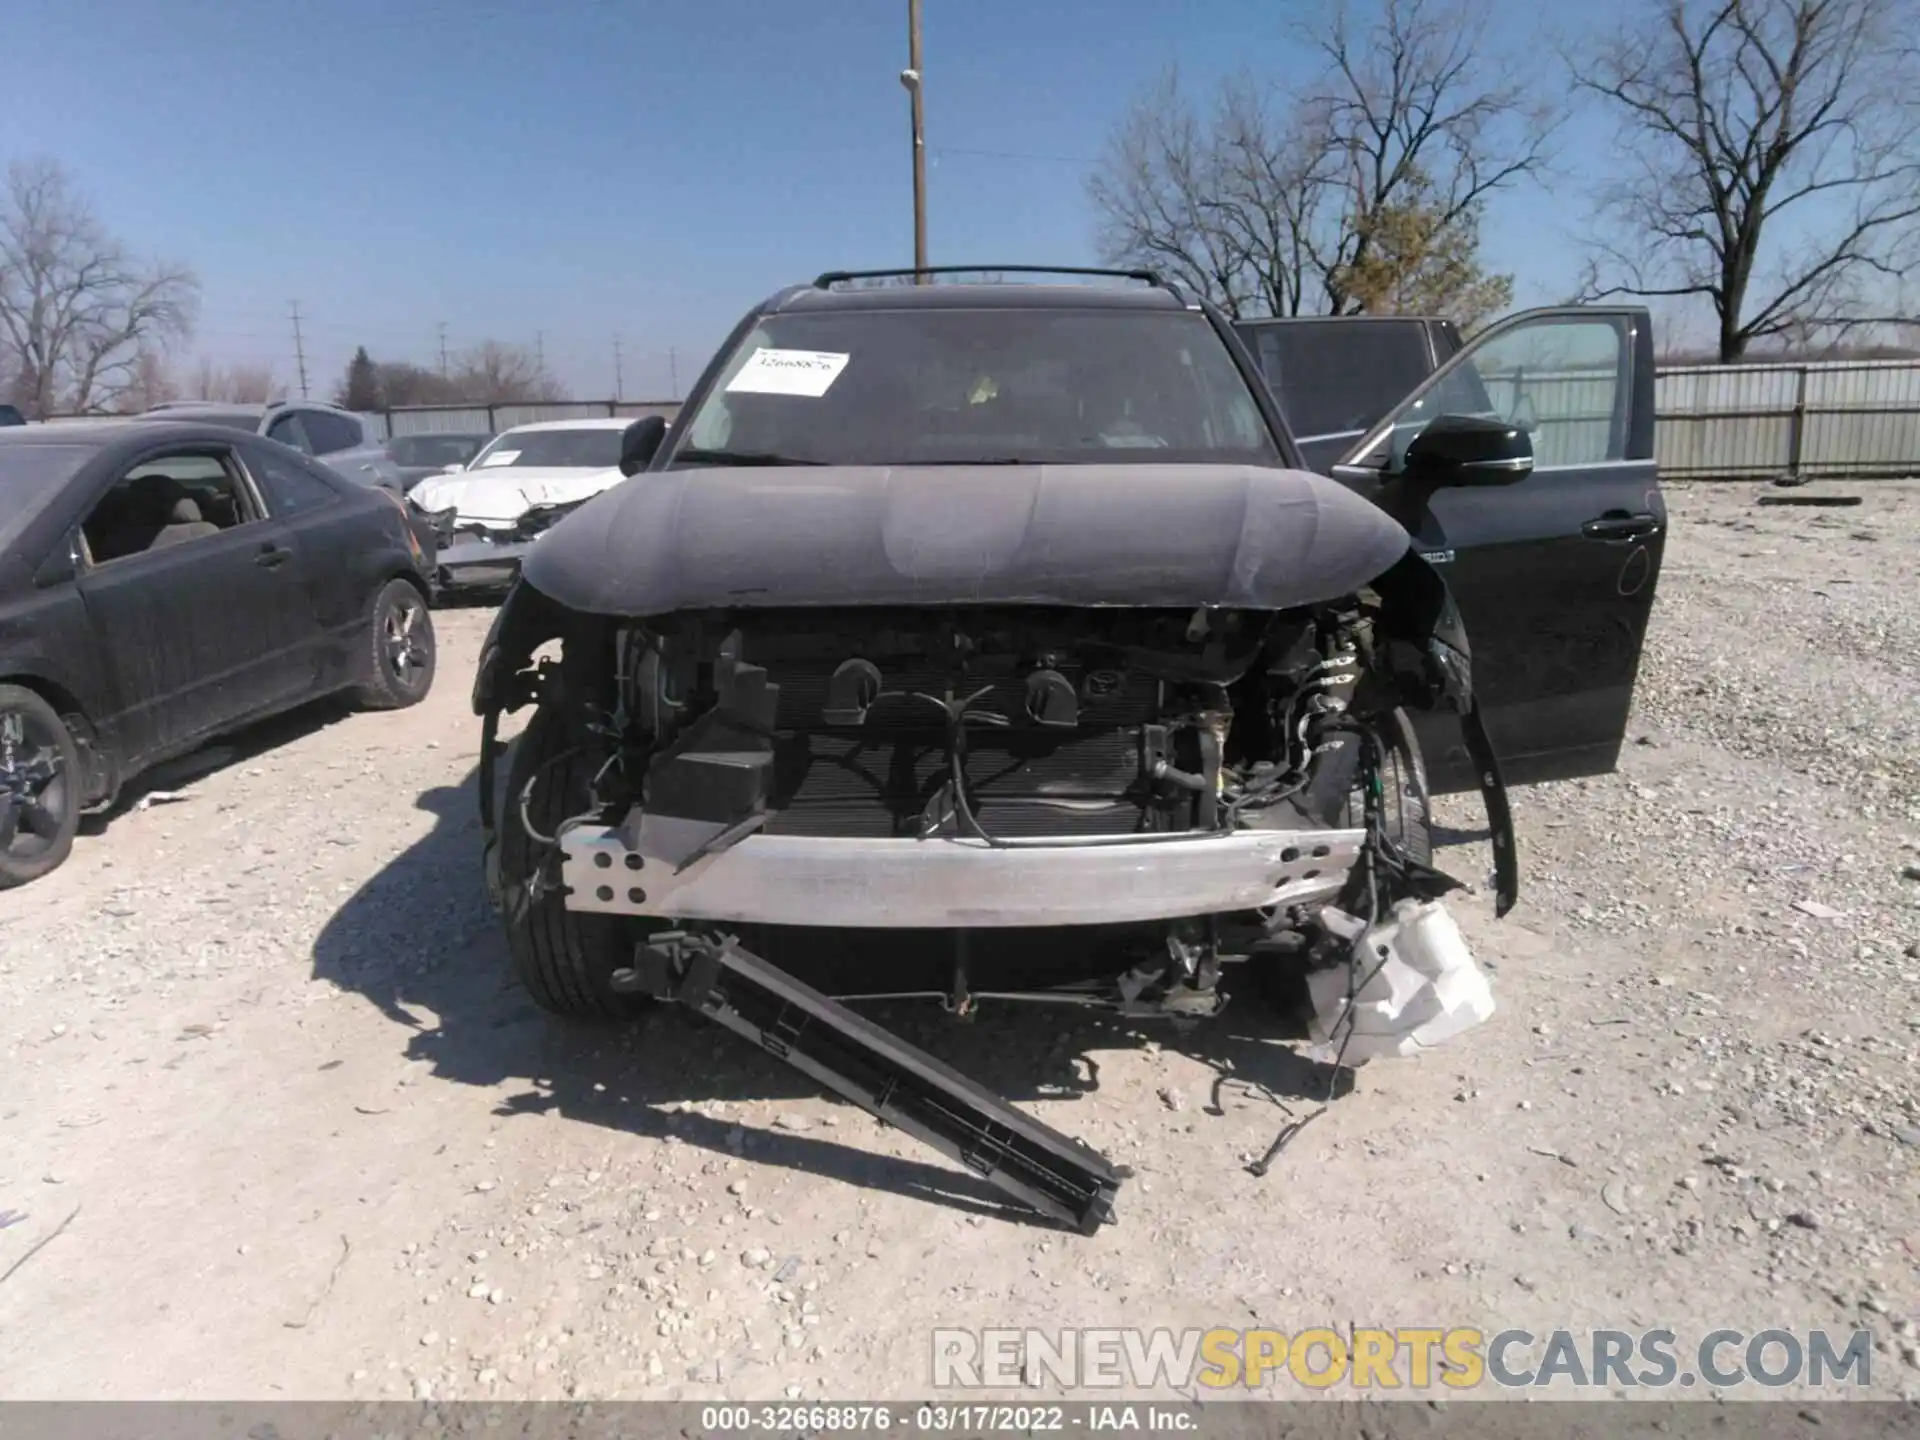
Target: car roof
[
  {"x": 802, "y": 299},
  {"x": 228, "y": 415},
  {"x": 130, "y": 433},
  {"x": 584, "y": 422}
]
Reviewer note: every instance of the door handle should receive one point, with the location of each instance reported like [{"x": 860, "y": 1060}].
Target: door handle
[
  {"x": 272, "y": 556},
  {"x": 1619, "y": 525}
]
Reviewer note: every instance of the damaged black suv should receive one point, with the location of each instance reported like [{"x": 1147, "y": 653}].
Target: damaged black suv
[{"x": 969, "y": 609}]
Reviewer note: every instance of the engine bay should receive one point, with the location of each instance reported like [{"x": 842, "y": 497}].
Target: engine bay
[{"x": 1001, "y": 726}]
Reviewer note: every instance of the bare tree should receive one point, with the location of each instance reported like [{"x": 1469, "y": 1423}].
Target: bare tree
[
  {"x": 1423, "y": 110},
  {"x": 1272, "y": 204},
  {"x": 495, "y": 374},
  {"x": 76, "y": 311},
  {"x": 245, "y": 382},
  {"x": 1775, "y": 167},
  {"x": 1220, "y": 204},
  {"x": 151, "y": 383}
]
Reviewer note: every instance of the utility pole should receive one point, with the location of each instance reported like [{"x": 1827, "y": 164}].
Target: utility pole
[
  {"x": 443, "y": 349},
  {"x": 619, "y": 389},
  {"x": 910, "y": 77},
  {"x": 299, "y": 350},
  {"x": 540, "y": 357},
  {"x": 673, "y": 371}
]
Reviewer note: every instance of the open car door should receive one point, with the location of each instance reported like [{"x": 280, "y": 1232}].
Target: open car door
[{"x": 1553, "y": 564}]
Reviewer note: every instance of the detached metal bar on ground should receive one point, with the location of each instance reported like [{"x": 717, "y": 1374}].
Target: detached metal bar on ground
[{"x": 904, "y": 1086}]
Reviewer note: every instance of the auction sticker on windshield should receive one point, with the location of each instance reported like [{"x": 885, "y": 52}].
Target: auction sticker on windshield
[
  {"x": 789, "y": 372},
  {"x": 501, "y": 457}
]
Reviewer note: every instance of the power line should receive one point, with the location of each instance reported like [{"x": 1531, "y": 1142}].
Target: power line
[{"x": 299, "y": 350}]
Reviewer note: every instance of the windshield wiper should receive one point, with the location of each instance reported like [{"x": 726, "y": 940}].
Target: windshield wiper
[{"x": 695, "y": 455}]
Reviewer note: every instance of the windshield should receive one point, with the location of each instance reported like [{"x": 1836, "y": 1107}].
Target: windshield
[
  {"x": 435, "y": 450},
  {"x": 29, "y": 476},
  {"x": 1001, "y": 385},
  {"x": 596, "y": 449}
]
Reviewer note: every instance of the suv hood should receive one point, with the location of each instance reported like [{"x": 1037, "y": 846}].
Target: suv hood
[
  {"x": 1127, "y": 535},
  {"x": 504, "y": 493}
]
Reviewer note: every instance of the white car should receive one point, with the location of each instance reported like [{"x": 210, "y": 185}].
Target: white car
[{"x": 485, "y": 514}]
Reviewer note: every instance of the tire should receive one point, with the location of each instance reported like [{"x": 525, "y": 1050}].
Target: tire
[
  {"x": 564, "y": 959},
  {"x": 1333, "y": 801},
  {"x": 1406, "y": 807},
  {"x": 40, "y": 787},
  {"x": 402, "y": 653},
  {"x": 1405, "y": 802}
]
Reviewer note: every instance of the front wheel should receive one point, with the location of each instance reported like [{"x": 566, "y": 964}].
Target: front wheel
[
  {"x": 1405, "y": 804},
  {"x": 564, "y": 958},
  {"x": 402, "y": 649},
  {"x": 39, "y": 787}
]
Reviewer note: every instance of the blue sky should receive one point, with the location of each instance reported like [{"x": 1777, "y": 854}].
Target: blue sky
[{"x": 586, "y": 168}]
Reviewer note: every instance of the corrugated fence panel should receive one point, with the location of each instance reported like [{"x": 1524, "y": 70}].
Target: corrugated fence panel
[
  {"x": 1862, "y": 420},
  {"x": 505, "y": 417},
  {"x": 442, "y": 420},
  {"x": 1858, "y": 418},
  {"x": 1715, "y": 421},
  {"x": 491, "y": 419},
  {"x": 669, "y": 409}
]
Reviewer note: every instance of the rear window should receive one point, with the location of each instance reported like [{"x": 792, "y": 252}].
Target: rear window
[
  {"x": 292, "y": 486},
  {"x": 1336, "y": 376},
  {"x": 329, "y": 432},
  {"x": 434, "y": 449}
]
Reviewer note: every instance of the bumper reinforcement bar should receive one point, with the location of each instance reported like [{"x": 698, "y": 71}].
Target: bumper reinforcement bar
[{"x": 876, "y": 1070}]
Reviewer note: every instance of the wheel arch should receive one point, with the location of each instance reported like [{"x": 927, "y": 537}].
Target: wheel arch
[{"x": 97, "y": 755}]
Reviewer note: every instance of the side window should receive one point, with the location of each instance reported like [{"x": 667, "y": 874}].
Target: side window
[
  {"x": 329, "y": 432},
  {"x": 289, "y": 487},
  {"x": 1563, "y": 380},
  {"x": 172, "y": 500},
  {"x": 1335, "y": 377},
  {"x": 289, "y": 431}
]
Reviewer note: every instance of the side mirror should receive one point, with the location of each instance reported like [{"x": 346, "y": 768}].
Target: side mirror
[
  {"x": 1468, "y": 450},
  {"x": 641, "y": 440},
  {"x": 451, "y": 469}
]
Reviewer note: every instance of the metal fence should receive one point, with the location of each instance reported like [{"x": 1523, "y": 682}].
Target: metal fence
[
  {"x": 492, "y": 419},
  {"x": 1853, "y": 418},
  {"x": 1858, "y": 418}
]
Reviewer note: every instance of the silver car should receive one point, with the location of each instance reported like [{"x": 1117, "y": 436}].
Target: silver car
[{"x": 335, "y": 437}]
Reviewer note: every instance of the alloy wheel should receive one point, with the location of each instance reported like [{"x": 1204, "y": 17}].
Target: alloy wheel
[
  {"x": 34, "y": 786},
  {"x": 401, "y": 647}
]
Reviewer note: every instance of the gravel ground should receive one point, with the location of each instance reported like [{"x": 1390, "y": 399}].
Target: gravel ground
[{"x": 265, "y": 1063}]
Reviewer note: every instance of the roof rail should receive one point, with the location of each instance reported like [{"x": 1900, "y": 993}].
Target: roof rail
[{"x": 841, "y": 277}]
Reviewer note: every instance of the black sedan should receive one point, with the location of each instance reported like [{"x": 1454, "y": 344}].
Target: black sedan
[
  {"x": 164, "y": 582},
  {"x": 418, "y": 456}
]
